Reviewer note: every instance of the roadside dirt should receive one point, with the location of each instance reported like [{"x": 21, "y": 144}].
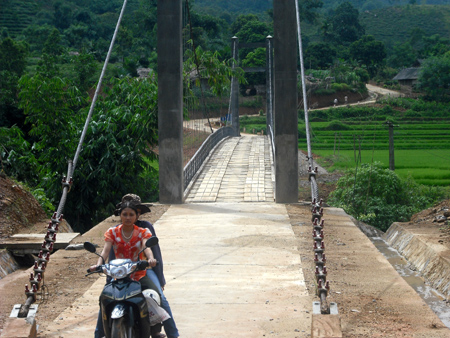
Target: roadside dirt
[{"x": 373, "y": 300}]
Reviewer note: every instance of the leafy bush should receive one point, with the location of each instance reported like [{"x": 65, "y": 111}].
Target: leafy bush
[
  {"x": 301, "y": 131},
  {"x": 379, "y": 197},
  {"x": 340, "y": 87},
  {"x": 336, "y": 125},
  {"x": 16, "y": 157},
  {"x": 324, "y": 91}
]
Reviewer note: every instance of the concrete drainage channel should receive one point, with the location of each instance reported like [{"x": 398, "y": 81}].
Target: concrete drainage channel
[{"x": 433, "y": 298}]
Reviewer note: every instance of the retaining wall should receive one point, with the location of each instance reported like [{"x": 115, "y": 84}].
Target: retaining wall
[
  {"x": 7, "y": 263},
  {"x": 430, "y": 259}
]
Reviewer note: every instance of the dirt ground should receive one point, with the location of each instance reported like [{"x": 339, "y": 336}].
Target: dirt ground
[{"x": 372, "y": 301}]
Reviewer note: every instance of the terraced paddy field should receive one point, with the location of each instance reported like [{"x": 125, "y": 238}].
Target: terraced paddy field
[
  {"x": 421, "y": 150},
  {"x": 344, "y": 138}
]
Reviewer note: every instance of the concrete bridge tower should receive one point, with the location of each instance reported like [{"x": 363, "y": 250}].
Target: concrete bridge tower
[{"x": 170, "y": 102}]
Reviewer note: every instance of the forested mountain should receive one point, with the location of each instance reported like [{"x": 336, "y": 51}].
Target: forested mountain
[
  {"x": 89, "y": 24},
  {"x": 259, "y": 6}
]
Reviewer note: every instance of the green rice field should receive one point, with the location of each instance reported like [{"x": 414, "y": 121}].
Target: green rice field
[
  {"x": 421, "y": 150},
  {"x": 421, "y": 138}
]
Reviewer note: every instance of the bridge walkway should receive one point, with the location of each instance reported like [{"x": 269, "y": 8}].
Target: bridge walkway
[{"x": 239, "y": 170}]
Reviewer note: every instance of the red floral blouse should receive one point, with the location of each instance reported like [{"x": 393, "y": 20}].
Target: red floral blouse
[{"x": 128, "y": 249}]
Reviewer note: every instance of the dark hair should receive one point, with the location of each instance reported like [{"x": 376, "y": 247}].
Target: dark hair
[{"x": 128, "y": 204}]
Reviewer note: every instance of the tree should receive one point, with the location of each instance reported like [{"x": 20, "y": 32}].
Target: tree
[
  {"x": 256, "y": 58},
  {"x": 48, "y": 65},
  {"x": 369, "y": 52},
  {"x": 12, "y": 66},
  {"x": 63, "y": 15},
  {"x": 51, "y": 105},
  {"x": 207, "y": 65},
  {"x": 208, "y": 31},
  {"x": 434, "y": 78},
  {"x": 240, "y": 22},
  {"x": 36, "y": 36},
  {"x": 345, "y": 23},
  {"x": 319, "y": 55},
  {"x": 84, "y": 65},
  {"x": 403, "y": 56},
  {"x": 253, "y": 31},
  {"x": 308, "y": 9},
  {"x": 77, "y": 34},
  {"x": 52, "y": 45},
  {"x": 13, "y": 56},
  {"x": 124, "y": 42},
  {"x": 115, "y": 157}
]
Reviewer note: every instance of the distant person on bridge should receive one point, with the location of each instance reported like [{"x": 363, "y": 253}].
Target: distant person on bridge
[{"x": 156, "y": 274}]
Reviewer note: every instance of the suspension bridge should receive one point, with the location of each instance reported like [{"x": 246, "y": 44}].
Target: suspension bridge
[{"x": 232, "y": 259}]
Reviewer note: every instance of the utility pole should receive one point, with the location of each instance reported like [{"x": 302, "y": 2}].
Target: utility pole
[{"x": 391, "y": 146}]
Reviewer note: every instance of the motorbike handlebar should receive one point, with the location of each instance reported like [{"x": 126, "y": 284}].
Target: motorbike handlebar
[
  {"x": 98, "y": 269},
  {"x": 142, "y": 265}
]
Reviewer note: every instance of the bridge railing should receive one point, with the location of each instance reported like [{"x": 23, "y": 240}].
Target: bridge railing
[{"x": 195, "y": 163}]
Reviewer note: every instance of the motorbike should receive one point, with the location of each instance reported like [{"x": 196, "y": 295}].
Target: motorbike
[{"x": 126, "y": 310}]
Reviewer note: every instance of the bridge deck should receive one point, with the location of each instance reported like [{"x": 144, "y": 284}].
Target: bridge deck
[{"x": 240, "y": 170}]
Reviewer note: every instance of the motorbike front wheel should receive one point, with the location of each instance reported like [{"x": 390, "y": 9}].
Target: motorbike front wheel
[{"x": 119, "y": 329}]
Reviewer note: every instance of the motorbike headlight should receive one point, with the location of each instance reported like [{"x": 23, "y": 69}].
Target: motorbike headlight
[{"x": 118, "y": 272}]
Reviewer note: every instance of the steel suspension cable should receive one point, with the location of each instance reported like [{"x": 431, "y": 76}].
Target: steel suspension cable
[
  {"x": 72, "y": 166},
  {"x": 316, "y": 205},
  {"x": 47, "y": 246}
]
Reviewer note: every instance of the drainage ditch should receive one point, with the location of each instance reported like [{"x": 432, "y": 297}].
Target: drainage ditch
[
  {"x": 10, "y": 262},
  {"x": 434, "y": 299}
]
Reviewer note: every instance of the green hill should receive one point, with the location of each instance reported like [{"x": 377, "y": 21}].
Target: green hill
[
  {"x": 88, "y": 22},
  {"x": 394, "y": 24},
  {"x": 15, "y": 15}
]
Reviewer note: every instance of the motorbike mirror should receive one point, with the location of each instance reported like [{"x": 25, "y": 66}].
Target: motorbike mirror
[
  {"x": 89, "y": 247},
  {"x": 152, "y": 241}
]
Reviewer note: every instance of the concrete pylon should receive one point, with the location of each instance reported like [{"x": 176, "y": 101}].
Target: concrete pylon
[
  {"x": 285, "y": 105},
  {"x": 170, "y": 101}
]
